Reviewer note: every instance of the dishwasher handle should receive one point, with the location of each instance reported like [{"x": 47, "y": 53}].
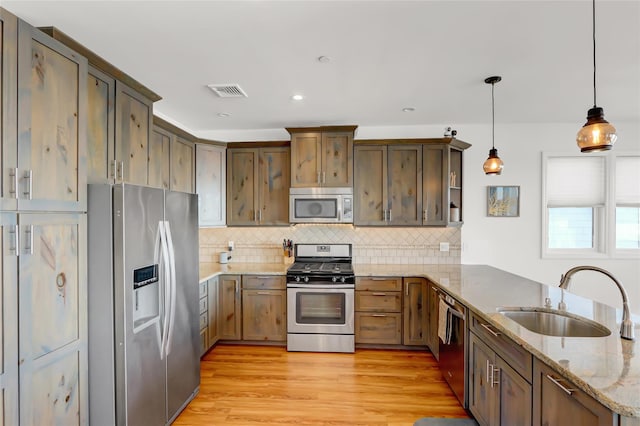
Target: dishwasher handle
[{"x": 455, "y": 311}]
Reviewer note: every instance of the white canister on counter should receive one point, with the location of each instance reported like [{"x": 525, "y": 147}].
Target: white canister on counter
[
  {"x": 224, "y": 257},
  {"x": 454, "y": 214}
]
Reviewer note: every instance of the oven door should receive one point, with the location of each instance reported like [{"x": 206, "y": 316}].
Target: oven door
[{"x": 315, "y": 309}]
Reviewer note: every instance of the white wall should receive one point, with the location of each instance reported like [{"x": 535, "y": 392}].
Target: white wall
[{"x": 514, "y": 244}]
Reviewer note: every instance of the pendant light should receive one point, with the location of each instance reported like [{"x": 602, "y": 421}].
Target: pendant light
[
  {"x": 597, "y": 134},
  {"x": 493, "y": 165}
]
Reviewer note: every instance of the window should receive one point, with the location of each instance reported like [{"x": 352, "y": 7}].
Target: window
[
  {"x": 627, "y": 202},
  {"x": 591, "y": 205}
]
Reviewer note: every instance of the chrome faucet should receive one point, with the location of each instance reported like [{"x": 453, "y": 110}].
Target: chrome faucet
[{"x": 626, "y": 328}]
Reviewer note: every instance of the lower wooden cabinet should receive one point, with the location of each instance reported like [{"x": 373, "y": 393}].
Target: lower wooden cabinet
[
  {"x": 498, "y": 395},
  {"x": 415, "y": 312},
  {"x": 432, "y": 337},
  {"x": 230, "y": 309},
  {"x": 204, "y": 338},
  {"x": 264, "y": 308},
  {"x": 212, "y": 302},
  {"x": 557, "y": 402},
  {"x": 378, "y": 306}
]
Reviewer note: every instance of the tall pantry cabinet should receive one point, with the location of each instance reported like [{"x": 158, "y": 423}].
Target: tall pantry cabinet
[{"x": 43, "y": 356}]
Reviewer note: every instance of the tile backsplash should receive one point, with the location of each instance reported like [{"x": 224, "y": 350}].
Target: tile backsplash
[{"x": 370, "y": 245}]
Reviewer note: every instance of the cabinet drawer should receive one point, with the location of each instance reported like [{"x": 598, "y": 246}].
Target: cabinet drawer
[
  {"x": 203, "y": 305},
  {"x": 515, "y": 355},
  {"x": 378, "y": 301},
  {"x": 263, "y": 282},
  {"x": 204, "y": 341},
  {"x": 383, "y": 329},
  {"x": 203, "y": 321},
  {"x": 379, "y": 284},
  {"x": 203, "y": 289}
]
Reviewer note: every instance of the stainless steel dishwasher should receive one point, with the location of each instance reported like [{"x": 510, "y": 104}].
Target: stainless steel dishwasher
[{"x": 452, "y": 353}]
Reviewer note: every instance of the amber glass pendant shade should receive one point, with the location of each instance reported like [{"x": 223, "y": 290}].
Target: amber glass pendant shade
[
  {"x": 493, "y": 165},
  {"x": 597, "y": 134}
]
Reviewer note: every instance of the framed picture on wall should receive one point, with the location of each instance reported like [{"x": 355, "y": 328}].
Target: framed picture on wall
[{"x": 503, "y": 201}]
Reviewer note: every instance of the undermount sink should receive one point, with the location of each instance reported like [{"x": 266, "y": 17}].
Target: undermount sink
[{"x": 555, "y": 323}]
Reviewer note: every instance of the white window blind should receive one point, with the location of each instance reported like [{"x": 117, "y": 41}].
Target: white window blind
[
  {"x": 575, "y": 181},
  {"x": 628, "y": 180}
]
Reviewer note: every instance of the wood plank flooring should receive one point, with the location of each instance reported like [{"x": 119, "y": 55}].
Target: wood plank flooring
[{"x": 266, "y": 385}]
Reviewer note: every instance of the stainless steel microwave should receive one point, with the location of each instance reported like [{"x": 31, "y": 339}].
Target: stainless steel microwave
[{"x": 321, "y": 205}]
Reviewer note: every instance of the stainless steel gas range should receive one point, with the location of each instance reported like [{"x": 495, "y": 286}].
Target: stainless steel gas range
[{"x": 320, "y": 299}]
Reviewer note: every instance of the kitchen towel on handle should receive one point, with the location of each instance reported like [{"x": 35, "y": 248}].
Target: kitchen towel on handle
[{"x": 444, "y": 322}]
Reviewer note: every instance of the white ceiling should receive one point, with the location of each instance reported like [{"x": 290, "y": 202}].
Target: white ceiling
[{"x": 385, "y": 55}]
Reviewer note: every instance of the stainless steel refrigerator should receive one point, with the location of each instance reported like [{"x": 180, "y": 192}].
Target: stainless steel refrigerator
[{"x": 144, "y": 343}]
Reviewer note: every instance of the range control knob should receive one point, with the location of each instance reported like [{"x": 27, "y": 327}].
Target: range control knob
[
  {"x": 334, "y": 279},
  {"x": 297, "y": 279},
  {"x": 306, "y": 279},
  {"x": 342, "y": 279}
]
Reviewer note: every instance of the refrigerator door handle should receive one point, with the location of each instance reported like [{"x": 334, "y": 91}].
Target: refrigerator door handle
[
  {"x": 173, "y": 287},
  {"x": 164, "y": 256}
]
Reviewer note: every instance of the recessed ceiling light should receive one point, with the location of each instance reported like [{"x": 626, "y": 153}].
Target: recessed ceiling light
[
  {"x": 223, "y": 114},
  {"x": 408, "y": 109},
  {"x": 324, "y": 59},
  {"x": 297, "y": 97}
]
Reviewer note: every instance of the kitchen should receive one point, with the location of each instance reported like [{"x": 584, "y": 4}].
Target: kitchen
[{"x": 482, "y": 239}]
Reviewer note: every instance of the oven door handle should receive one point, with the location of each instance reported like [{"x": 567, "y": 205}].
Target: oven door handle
[{"x": 321, "y": 286}]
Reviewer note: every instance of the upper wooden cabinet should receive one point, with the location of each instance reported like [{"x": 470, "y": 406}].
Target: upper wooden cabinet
[
  {"x": 119, "y": 122},
  {"x": 8, "y": 109},
  {"x": 50, "y": 171},
  {"x": 211, "y": 163},
  {"x": 258, "y": 186},
  {"x": 172, "y": 156},
  {"x": 134, "y": 115},
  {"x": 407, "y": 182},
  {"x": 322, "y": 156}
]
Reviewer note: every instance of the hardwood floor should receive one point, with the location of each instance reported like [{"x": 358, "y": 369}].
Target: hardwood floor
[{"x": 266, "y": 385}]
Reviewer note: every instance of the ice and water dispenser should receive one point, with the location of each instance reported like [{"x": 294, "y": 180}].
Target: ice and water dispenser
[{"x": 146, "y": 296}]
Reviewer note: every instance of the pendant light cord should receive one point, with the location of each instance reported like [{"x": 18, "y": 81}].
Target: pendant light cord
[
  {"x": 493, "y": 119},
  {"x": 594, "y": 53}
]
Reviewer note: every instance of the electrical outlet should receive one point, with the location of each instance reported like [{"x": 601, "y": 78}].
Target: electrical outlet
[
  {"x": 444, "y": 246},
  {"x": 230, "y": 245}
]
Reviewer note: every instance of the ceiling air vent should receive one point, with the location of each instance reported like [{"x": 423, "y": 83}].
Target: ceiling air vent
[{"x": 227, "y": 90}]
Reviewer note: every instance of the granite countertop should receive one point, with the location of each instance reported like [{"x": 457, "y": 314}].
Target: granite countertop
[
  {"x": 210, "y": 270},
  {"x": 607, "y": 368}
]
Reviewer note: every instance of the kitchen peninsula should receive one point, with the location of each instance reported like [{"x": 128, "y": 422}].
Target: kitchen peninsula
[{"x": 605, "y": 368}]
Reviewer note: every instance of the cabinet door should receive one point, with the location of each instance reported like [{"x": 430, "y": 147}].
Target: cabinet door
[
  {"x": 306, "y": 160},
  {"x": 404, "y": 179},
  {"x": 337, "y": 159},
  {"x": 159, "y": 158},
  {"x": 53, "y": 319},
  {"x": 514, "y": 394},
  {"x": 242, "y": 186},
  {"x": 134, "y": 115},
  {"x": 274, "y": 168},
  {"x": 52, "y": 105},
  {"x": 370, "y": 185},
  {"x": 8, "y": 321},
  {"x": 434, "y": 185},
  {"x": 211, "y": 184},
  {"x": 264, "y": 315},
  {"x": 100, "y": 127},
  {"x": 416, "y": 327},
  {"x": 434, "y": 344},
  {"x": 557, "y": 402},
  {"x": 482, "y": 395},
  {"x": 182, "y": 160},
  {"x": 212, "y": 298},
  {"x": 9, "y": 117},
  {"x": 378, "y": 328},
  {"x": 229, "y": 314}
]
